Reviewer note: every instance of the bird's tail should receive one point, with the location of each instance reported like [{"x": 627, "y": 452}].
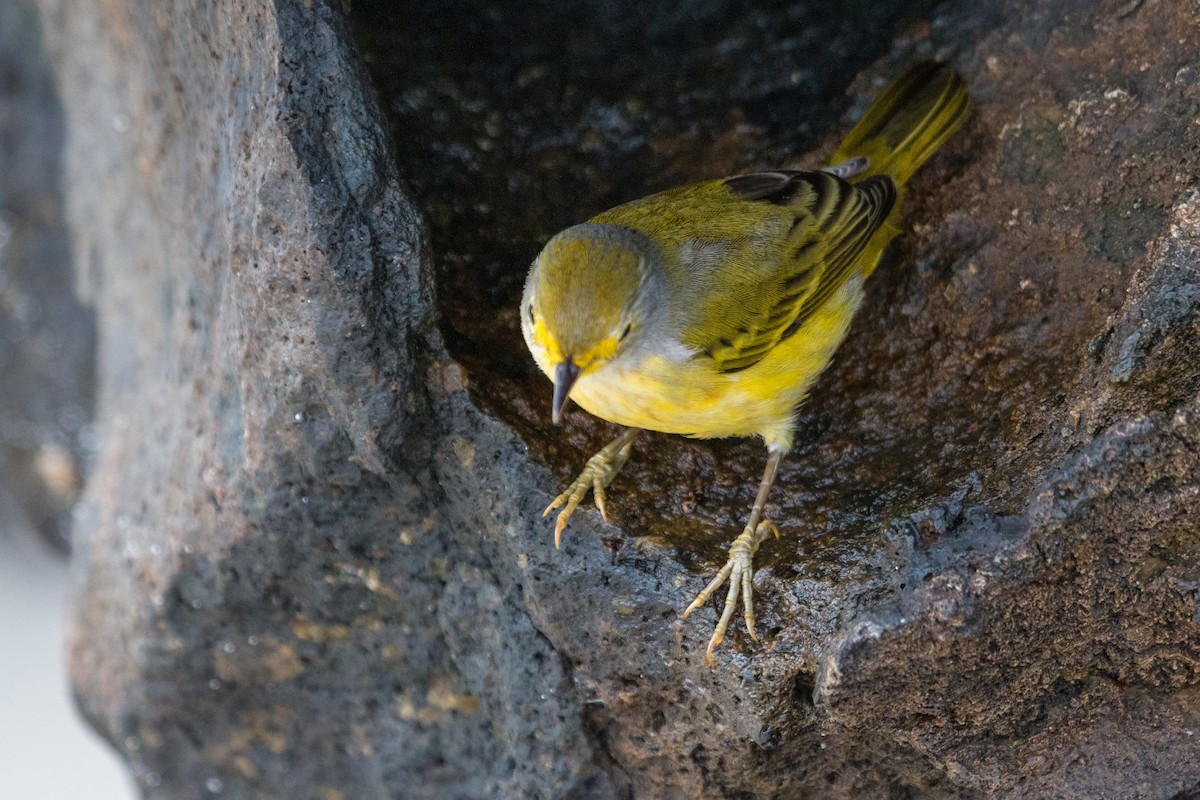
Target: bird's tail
[{"x": 911, "y": 119}]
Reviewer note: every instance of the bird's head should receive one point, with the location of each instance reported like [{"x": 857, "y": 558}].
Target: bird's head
[{"x": 588, "y": 299}]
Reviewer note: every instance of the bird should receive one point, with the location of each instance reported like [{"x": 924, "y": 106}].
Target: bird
[{"x": 709, "y": 310}]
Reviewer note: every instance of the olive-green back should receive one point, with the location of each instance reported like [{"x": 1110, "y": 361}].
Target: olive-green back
[{"x": 748, "y": 259}]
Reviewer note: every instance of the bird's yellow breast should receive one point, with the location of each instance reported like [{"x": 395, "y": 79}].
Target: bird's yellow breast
[{"x": 689, "y": 396}]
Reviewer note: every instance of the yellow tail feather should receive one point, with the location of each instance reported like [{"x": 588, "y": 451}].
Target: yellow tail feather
[{"x": 911, "y": 119}]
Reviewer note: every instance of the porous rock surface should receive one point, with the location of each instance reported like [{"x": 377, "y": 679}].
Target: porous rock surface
[{"x": 310, "y": 558}]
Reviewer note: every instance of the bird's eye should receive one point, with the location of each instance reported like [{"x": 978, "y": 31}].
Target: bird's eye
[
  {"x": 529, "y": 310},
  {"x": 624, "y": 333}
]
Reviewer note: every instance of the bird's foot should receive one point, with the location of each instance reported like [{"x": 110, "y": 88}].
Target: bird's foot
[
  {"x": 739, "y": 570},
  {"x": 597, "y": 474}
]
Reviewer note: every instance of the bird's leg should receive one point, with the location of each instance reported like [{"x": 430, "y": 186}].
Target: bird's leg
[
  {"x": 739, "y": 569},
  {"x": 597, "y": 474}
]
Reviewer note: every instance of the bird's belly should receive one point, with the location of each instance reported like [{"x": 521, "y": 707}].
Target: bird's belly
[
  {"x": 689, "y": 397},
  {"x": 694, "y": 405}
]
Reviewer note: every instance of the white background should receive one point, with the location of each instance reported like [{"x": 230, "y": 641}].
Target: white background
[{"x": 46, "y": 752}]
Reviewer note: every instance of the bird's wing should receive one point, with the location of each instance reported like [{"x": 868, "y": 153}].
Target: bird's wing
[{"x": 828, "y": 225}]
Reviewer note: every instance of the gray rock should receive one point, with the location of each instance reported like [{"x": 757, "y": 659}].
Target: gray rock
[
  {"x": 47, "y": 333},
  {"x": 310, "y": 555}
]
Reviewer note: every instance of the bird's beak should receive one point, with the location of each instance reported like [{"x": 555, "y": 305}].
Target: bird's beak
[{"x": 565, "y": 375}]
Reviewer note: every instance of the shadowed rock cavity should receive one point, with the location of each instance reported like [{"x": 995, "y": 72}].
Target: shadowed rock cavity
[{"x": 310, "y": 555}]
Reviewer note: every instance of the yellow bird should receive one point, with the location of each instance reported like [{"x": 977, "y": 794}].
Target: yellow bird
[{"x": 709, "y": 310}]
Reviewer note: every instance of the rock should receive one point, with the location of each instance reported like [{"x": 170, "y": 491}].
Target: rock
[
  {"x": 310, "y": 553},
  {"x": 47, "y": 333},
  {"x": 262, "y": 602}
]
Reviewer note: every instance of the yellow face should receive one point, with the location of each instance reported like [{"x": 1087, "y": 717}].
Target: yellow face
[
  {"x": 549, "y": 352},
  {"x": 578, "y": 300}
]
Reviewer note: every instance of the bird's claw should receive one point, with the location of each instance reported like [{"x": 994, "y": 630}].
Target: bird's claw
[
  {"x": 597, "y": 474},
  {"x": 739, "y": 570}
]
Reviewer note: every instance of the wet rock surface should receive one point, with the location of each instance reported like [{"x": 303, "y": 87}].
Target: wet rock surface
[{"x": 310, "y": 555}]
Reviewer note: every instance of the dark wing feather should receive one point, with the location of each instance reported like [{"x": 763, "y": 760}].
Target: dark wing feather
[
  {"x": 772, "y": 187},
  {"x": 832, "y": 225}
]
